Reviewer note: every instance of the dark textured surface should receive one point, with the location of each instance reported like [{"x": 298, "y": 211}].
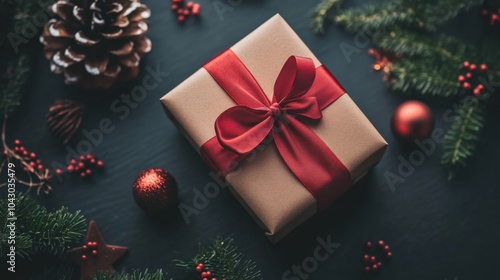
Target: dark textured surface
[{"x": 437, "y": 230}]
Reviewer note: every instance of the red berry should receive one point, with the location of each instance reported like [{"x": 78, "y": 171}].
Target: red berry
[
  {"x": 17, "y": 142},
  {"x": 71, "y": 168},
  {"x": 174, "y": 7},
  {"x": 81, "y": 164},
  {"x": 84, "y": 247},
  {"x": 25, "y": 153},
  {"x": 368, "y": 244},
  {"x": 94, "y": 252},
  {"x": 199, "y": 268},
  {"x": 366, "y": 258},
  {"x": 381, "y": 243},
  {"x": 33, "y": 155},
  {"x": 461, "y": 78},
  {"x": 466, "y": 85},
  {"x": 59, "y": 171},
  {"x": 94, "y": 244},
  {"x": 473, "y": 67},
  {"x": 466, "y": 64},
  {"x": 204, "y": 278},
  {"x": 189, "y": 5},
  {"x": 389, "y": 254},
  {"x": 214, "y": 278},
  {"x": 40, "y": 167},
  {"x": 484, "y": 67},
  {"x": 204, "y": 274},
  {"x": 84, "y": 257},
  {"x": 480, "y": 86},
  {"x": 368, "y": 269},
  {"x": 374, "y": 267},
  {"x": 89, "y": 243},
  {"x": 89, "y": 156},
  {"x": 82, "y": 157},
  {"x": 38, "y": 161},
  {"x": 100, "y": 163},
  {"x": 187, "y": 12},
  {"x": 373, "y": 259},
  {"x": 16, "y": 149},
  {"x": 468, "y": 75},
  {"x": 88, "y": 171},
  {"x": 379, "y": 264},
  {"x": 92, "y": 160},
  {"x": 83, "y": 174},
  {"x": 387, "y": 248},
  {"x": 180, "y": 11},
  {"x": 201, "y": 265},
  {"x": 177, "y": 1},
  {"x": 209, "y": 273},
  {"x": 476, "y": 91},
  {"x": 195, "y": 10},
  {"x": 73, "y": 161},
  {"x": 32, "y": 164}
]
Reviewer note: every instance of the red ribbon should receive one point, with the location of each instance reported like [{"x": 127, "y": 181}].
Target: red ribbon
[{"x": 301, "y": 91}]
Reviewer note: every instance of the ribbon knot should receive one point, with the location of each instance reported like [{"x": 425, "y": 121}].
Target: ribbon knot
[
  {"x": 275, "y": 109},
  {"x": 302, "y": 91}
]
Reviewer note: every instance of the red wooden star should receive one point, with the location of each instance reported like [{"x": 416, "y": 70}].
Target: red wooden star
[{"x": 95, "y": 255}]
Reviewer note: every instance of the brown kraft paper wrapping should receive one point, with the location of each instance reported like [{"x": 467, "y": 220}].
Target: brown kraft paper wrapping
[{"x": 264, "y": 185}]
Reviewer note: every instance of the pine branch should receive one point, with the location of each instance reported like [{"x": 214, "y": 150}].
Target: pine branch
[
  {"x": 321, "y": 14},
  {"x": 461, "y": 138},
  {"x": 224, "y": 261},
  {"x": 38, "y": 230},
  {"x": 378, "y": 17},
  {"x": 135, "y": 275},
  {"x": 422, "y": 76},
  {"x": 438, "y": 12}
]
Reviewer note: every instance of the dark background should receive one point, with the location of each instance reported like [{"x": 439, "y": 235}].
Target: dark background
[{"x": 437, "y": 229}]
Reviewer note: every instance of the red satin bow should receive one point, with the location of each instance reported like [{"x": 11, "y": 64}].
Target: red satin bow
[{"x": 301, "y": 91}]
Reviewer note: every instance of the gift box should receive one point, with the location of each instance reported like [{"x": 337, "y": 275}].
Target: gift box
[{"x": 271, "y": 120}]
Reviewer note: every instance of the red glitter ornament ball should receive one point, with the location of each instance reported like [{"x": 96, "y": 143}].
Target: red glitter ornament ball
[
  {"x": 412, "y": 120},
  {"x": 155, "y": 191}
]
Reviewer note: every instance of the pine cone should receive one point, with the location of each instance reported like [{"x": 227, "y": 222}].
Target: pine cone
[{"x": 95, "y": 43}]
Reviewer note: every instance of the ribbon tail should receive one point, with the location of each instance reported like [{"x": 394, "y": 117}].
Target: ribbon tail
[{"x": 312, "y": 162}]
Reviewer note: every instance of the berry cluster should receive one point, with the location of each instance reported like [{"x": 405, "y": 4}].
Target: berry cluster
[
  {"x": 469, "y": 79},
  {"x": 83, "y": 165},
  {"x": 184, "y": 11},
  {"x": 90, "y": 249},
  {"x": 492, "y": 17},
  {"x": 205, "y": 274},
  {"x": 35, "y": 164},
  {"x": 370, "y": 262}
]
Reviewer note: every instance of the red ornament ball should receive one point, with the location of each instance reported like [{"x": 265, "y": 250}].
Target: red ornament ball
[
  {"x": 412, "y": 120},
  {"x": 155, "y": 191}
]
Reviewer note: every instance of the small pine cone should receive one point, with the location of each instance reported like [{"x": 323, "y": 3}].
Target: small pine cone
[{"x": 96, "y": 43}]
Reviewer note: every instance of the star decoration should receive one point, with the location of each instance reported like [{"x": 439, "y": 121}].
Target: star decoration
[{"x": 95, "y": 255}]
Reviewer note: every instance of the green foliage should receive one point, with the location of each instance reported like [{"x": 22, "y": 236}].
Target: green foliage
[
  {"x": 223, "y": 259},
  {"x": 461, "y": 138},
  {"x": 39, "y": 231},
  {"x": 424, "y": 61},
  {"x": 135, "y": 275},
  {"x": 16, "y": 49}
]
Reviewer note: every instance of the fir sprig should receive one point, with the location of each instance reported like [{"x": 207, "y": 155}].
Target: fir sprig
[
  {"x": 461, "y": 138},
  {"x": 38, "y": 230},
  {"x": 427, "y": 63},
  {"x": 134, "y": 275},
  {"x": 223, "y": 259}
]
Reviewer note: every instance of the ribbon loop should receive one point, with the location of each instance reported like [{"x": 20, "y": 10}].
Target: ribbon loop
[{"x": 300, "y": 89}]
